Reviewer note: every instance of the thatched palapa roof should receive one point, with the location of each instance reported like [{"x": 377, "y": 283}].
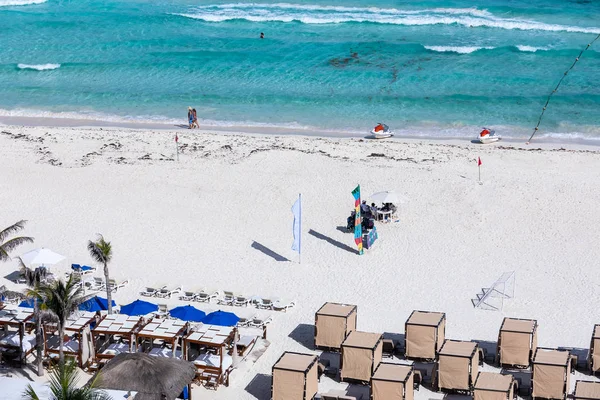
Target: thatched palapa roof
[{"x": 153, "y": 378}]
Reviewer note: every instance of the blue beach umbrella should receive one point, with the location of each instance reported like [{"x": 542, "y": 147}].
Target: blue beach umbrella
[
  {"x": 95, "y": 304},
  {"x": 26, "y": 303},
  {"x": 187, "y": 313},
  {"x": 139, "y": 307},
  {"x": 221, "y": 318}
]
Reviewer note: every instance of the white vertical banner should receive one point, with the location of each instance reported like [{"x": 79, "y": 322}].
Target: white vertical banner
[{"x": 297, "y": 227}]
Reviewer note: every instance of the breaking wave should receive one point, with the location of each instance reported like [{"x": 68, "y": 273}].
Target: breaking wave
[{"x": 39, "y": 67}]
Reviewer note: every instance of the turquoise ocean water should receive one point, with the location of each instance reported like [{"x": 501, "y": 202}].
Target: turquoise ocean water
[{"x": 435, "y": 67}]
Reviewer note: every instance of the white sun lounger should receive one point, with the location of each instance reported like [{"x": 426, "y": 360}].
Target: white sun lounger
[
  {"x": 283, "y": 305},
  {"x": 227, "y": 298},
  {"x": 241, "y": 301},
  {"x": 166, "y": 293},
  {"x": 205, "y": 296}
]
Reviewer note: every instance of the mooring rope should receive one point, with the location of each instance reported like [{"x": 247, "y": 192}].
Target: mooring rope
[{"x": 557, "y": 86}]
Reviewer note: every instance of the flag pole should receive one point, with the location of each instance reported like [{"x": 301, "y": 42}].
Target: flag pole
[
  {"x": 479, "y": 173},
  {"x": 300, "y": 229},
  {"x": 177, "y": 146}
]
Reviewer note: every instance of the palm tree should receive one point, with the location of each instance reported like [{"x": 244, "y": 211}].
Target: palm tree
[
  {"x": 61, "y": 299},
  {"x": 33, "y": 278},
  {"x": 101, "y": 252},
  {"x": 63, "y": 386},
  {"x": 11, "y": 244}
]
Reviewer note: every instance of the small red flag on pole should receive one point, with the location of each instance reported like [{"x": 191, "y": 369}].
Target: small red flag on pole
[
  {"x": 478, "y": 160},
  {"x": 479, "y": 166}
]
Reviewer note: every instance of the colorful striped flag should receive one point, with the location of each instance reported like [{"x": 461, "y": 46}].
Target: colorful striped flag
[{"x": 357, "y": 220}]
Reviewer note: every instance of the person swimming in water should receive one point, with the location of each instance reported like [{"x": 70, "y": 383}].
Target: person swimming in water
[
  {"x": 190, "y": 118},
  {"x": 262, "y": 35}
]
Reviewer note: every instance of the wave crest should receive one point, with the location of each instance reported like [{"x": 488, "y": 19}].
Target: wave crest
[
  {"x": 39, "y": 67},
  {"x": 457, "y": 49},
  {"x": 6, "y": 3},
  {"x": 314, "y": 14}
]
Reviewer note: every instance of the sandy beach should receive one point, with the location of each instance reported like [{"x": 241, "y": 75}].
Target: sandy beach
[{"x": 220, "y": 218}]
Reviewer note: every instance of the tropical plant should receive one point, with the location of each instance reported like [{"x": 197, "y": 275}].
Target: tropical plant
[
  {"x": 61, "y": 299},
  {"x": 33, "y": 278},
  {"x": 7, "y": 245},
  {"x": 63, "y": 386},
  {"x": 101, "y": 252}
]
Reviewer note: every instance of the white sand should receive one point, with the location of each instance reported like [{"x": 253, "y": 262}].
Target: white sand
[{"x": 193, "y": 223}]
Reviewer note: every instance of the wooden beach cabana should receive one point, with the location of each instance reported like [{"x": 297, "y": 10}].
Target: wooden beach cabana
[
  {"x": 333, "y": 322},
  {"x": 115, "y": 334},
  {"x": 594, "y": 354},
  {"x": 517, "y": 341},
  {"x": 295, "y": 377},
  {"x": 457, "y": 365},
  {"x": 16, "y": 337},
  {"x": 494, "y": 386},
  {"x": 551, "y": 373},
  {"x": 167, "y": 332},
  {"x": 80, "y": 343},
  {"x": 207, "y": 346},
  {"x": 392, "y": 382},
  {"x": 424, "y": 334},
  {"x": 361, "y": 354}
]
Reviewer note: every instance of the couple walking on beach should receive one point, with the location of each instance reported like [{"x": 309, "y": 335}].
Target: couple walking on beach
[{"x": 192, "y": 118}]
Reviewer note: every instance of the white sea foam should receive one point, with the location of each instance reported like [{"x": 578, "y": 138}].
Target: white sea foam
[
  {"x": 531, "y": 49},
  {"x": 314, "y": 14},
  {"x": 39, "y": 67},
  {"x": 457, "y": 49},
  {"x": 6, "y": 3}
]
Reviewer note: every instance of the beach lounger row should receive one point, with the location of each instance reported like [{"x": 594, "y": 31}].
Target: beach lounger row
[
  {"x": 230, "y": 298},
  {"x": 96, "y": 283},
  {"x": 162, "y": 292}
]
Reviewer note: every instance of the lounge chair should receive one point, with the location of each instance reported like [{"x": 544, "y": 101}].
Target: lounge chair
[
  {"x": 150, "y": 291},
  {"x": 265, "y": 304},
  {"x": 96, "y": 283},
  {"x": 165, "y": 293},
  {"x": 163, "y": 310},
  {"x": 244, "y": 321},
  {"x": 283, "y": 305},
  {"x": 188, "y": 296},
  {"x": 205, "y": 296},
  {"x": 227, "y": 298},
  {"x": 241, "y": 301},
  {"x": 114, "y": 286},
  {"x": 257, "y": 322}
]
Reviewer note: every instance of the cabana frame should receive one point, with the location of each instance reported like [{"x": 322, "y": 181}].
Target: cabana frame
[
  {"x": 425, "y": 332},
  {"x": 75, "y": 326},
  {"x": 495, "y": 386},
  {"x": 358, "y": 342},
  {"x": 215, "y": 337},
  {"x": 116, "y": 324},
  {"x": 333, "y": 323},
  {"x": 448, "y": 375},
  {"x": 22, "y": 319},
  {"x": 517, "y": 341},
  {"x": 388, "y": 377},
  {"x": 169, "y": 331},
  {"x": 548, "y": 366},
  {"x": 594, "y": 354},
  {"x": 283, "y": 372},
  {"x": 586, "y": 390}
]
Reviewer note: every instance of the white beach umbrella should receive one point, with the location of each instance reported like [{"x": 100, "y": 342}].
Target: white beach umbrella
[
  {"x": 41, "y": 257},
  {"x": 389, "y": 196}
]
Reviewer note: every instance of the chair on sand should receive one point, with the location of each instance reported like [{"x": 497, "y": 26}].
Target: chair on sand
[
  {"x": 265, "y": 304},
  {"x": 227, "y": 298},
  {"x": 166, "y": 293},
  {"x": 188, "y": 295},
  {"x": 205, "y": 296},
  {"x": 283, "y": 305},
  {"x": 241, "y": 301},
  {"x": 150, "y": 291},
  {"x": 257, "y": 322}
]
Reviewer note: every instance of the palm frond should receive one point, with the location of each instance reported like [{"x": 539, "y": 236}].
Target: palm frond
[
  {"x": 30, "y": 394},
  {"x": 12, "y": 229},
  {"x": 13, "y": 243}
]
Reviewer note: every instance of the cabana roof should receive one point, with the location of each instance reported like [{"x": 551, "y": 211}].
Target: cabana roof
[
  {"x": 336, "y": 309},
  {"x": 153, "y": 378},
  {"x": 295, "y": 362},
  {"x": 392, "y": 372},
  {"x": 166, "y": 329},
  {"x": 362, "y": 340},
  {"x": 518, "y": 325},
  {"x": 493, "y": 382},
  {"x": 458, "y": 348},
  {"x": 425, "y": 318},
  {"x": 587, "y": 390},
  {"x": 79, "y": 320},
  {"x": 118, "y": 324},
  {"x": 12, "y": 315},
  {"x": 211, "y": 335},
  {"x": 551, "y": 357}
]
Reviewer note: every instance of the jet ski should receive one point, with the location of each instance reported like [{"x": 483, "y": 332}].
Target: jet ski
[
  {"x": 487, "y": 136},
  {"x": 381, "y": 131}
]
